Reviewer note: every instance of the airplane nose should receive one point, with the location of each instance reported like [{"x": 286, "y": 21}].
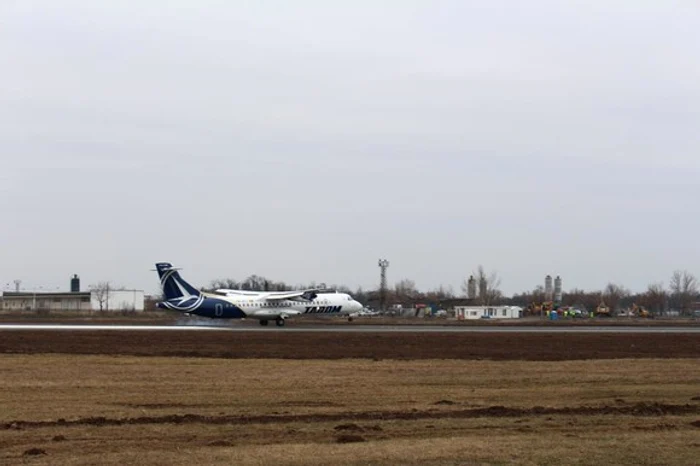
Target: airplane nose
[{"x": 358, "y": 306}]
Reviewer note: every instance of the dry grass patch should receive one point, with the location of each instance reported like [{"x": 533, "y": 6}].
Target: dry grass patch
[{"x": 120, "y": 410}]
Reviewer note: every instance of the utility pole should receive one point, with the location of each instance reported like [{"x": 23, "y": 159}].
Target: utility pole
[{"x": 383, "y": 265}]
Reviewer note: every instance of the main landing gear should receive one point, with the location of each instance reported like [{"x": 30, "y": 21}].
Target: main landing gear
[{"x": 278, "y": 321}]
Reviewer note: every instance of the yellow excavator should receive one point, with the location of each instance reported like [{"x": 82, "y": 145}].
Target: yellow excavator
[
  {"x": 641, "y": 311},
  {"x": 603, "y": 310}
]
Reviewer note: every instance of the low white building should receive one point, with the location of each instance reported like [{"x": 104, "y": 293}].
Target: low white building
[
  {"x": 488, "y": 312},
  {"x": 112, "y": 300},
  {"x": 117, "y": 300}
]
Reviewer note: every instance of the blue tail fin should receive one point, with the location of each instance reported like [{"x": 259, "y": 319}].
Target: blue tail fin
[{"x": 172, "y": 284}]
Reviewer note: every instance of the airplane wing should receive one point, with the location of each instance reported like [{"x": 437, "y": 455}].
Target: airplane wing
[
  {"x": 306, "y": 295},
  {"x": 240, "y": 292}
]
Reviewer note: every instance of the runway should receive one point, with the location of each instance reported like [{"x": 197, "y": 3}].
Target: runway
[{"x": 353, "y": 329}]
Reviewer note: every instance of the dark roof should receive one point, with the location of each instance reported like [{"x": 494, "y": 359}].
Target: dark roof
[{"x": 40, "y": 294}]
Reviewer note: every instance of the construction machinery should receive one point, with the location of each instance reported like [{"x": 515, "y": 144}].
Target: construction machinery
[
  {"x": 641, "y": 311},
  {"x": 603, "y": 310},
  {"x": 540, "y": 308}
]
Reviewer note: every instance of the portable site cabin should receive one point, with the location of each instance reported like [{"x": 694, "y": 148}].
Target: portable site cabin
[{"x": 488, "y": 312}]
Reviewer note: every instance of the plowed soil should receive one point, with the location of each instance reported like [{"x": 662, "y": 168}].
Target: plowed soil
[
  {"x": 639, "y": 409},
  {"x": 314, "y": 345}
]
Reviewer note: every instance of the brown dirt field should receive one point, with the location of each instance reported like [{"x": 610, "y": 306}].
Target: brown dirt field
[
  {"x": 90, "y": 409},
  {"x": 314, "y": 345}
]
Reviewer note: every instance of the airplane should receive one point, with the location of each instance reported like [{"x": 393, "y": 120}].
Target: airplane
[{"x": 239, "y": 304}]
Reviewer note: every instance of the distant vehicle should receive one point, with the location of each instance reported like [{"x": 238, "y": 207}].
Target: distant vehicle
[
  {"x": 364, "y": 312},
  {"x": 238, "y": 304},
  {"x": 603, "y": 310}
]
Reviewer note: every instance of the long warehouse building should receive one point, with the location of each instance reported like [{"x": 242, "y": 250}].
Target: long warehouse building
[{"x": 74, "y": 300}]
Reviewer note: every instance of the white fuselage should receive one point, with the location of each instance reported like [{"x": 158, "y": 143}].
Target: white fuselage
[{"x": 263, "y": 305}]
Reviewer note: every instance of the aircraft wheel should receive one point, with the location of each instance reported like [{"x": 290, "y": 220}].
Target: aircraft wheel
[
  {"x": 349, "y": 319},
  {"x": 280, "y": 322},
  {"x": 263, "y": 323}
]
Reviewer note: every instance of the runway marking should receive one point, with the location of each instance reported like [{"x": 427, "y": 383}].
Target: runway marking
[{"x": 352, "y": 329}]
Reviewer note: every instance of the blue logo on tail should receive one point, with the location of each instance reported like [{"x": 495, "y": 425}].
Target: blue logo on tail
[
  {"x": 183, "y": 297},
  {"x": 179, "y": 295}
]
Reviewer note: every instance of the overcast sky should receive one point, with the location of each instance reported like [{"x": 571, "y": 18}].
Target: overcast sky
[{"x": 305, "y": 140}]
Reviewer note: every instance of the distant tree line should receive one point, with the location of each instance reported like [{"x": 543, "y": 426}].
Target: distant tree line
[{"x": 680, "y": 294}]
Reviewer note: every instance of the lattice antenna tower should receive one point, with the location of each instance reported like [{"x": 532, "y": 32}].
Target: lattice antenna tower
[{"x": 383, "y": 265}]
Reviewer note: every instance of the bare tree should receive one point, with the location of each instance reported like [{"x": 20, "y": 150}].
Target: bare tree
[
  {"x": 226, "y": 284},
  {"x": 538, "y": 295},
  {"x": 574, "y": 297},
  {"x": 530, "y": 299},
  {"x": 655, "y": 297},
  {"x": 254, "y": 283},
  {"x": 613, "y": 294},
  {"x": 101, "y": 293},
  {"x": 361, "y": 295},
  {"x": 488, "y": 285},
  {"x": 405, "y": 290},
  {"x": 684, "y": 289},
  {"x": 439, "y": 294}
]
